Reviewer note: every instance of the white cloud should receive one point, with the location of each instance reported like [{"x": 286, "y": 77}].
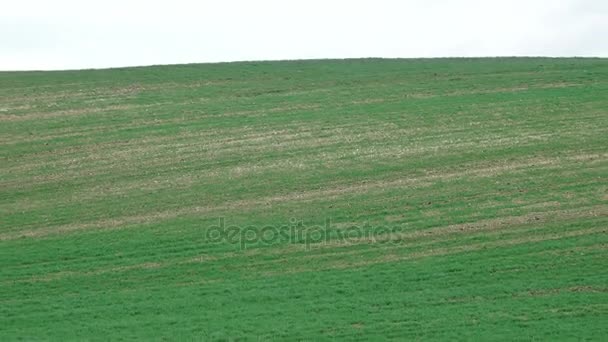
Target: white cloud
[{"x": 68, "y": 34}]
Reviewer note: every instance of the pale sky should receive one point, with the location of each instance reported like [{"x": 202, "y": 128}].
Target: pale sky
[{"x": 75, "y": 34}]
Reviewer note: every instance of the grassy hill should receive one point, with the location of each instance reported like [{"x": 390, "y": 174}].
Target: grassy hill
[{"x": 444, "y": 198}]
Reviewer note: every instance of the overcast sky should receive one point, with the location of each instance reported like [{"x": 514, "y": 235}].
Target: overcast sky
[{"x": 74, "y": 34}]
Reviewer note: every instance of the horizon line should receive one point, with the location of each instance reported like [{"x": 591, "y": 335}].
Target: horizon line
[{"x": 329, "y": 59}]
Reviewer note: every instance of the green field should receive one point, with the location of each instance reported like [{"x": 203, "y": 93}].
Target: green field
[{"x": 360, "y": 199}]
